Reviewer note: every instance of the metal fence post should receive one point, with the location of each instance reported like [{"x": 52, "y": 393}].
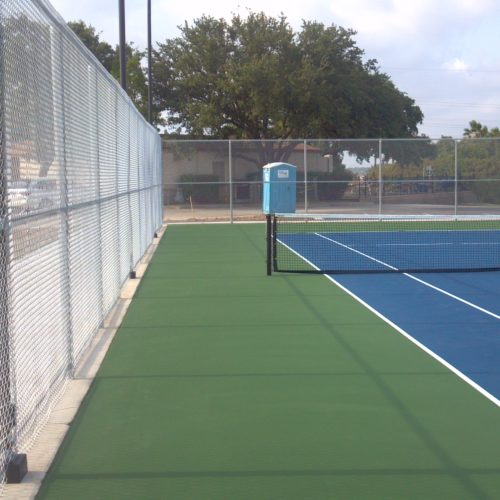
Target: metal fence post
[
  {"x": 139, "y": 204},
  {"x": 230, "y": 181},
  {"x": 132, "y": 273},
  {"x": 306, "y": 201},
  {"x": 65, "y": 236},
  {"x": 380, "y": 181},
  {"x": 456, "y": 176},
  {"x": 99, "y": 204},
  {"x": 116, "y": 200},
  {"x": 159, "y": 145}
]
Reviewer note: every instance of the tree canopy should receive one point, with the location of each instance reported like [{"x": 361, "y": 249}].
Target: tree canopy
[
  {"x": 109, "y": 57},
  {"x": 255, "y": 78},
  {"x": 91, "y": 39},
  {"x": 477, "y": 129}
]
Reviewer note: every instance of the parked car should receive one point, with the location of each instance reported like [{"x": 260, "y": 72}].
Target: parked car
[
  {"x": 18, "y": 197},
  {"x": 43, "y": 193},
  {"x": 35, "y": 194}
]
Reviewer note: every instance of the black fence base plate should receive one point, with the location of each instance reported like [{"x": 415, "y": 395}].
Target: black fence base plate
[{"x": 17, "y": 468}]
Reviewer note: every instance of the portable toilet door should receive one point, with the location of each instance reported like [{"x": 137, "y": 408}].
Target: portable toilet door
[{"x": 279, "y": 188}]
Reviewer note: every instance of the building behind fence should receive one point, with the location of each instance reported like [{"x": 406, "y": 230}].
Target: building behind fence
[
  {"x": 80, "y": 200},
  {"x": 222, "y": 179}
]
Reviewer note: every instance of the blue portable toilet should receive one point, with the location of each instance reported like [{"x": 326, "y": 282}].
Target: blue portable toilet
[{"x": 279, "y": 194}]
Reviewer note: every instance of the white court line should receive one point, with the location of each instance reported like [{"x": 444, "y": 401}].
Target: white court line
[
  {"x": 413, "y": 244},
  {"x": 411, "y": 276},
  {"x": 358, "y": 252},
  {"x": 405, "y": 334},
  {"x": 299, "y": 255},
  {"x": 456, "y": 297},
  {"x": 464, "y": 243}
]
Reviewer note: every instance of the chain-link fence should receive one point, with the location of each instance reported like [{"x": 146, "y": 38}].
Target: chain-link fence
[
  {"x": 222, "y": 179},
  {"x": 80, "y": 200}
]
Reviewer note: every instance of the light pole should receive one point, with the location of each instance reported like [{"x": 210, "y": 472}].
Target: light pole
[
  {"x": 150, "y": 80},
  {"x": 123, "y": 55}
]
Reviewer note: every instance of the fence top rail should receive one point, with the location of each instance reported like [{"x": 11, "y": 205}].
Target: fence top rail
[{"x": 285, "y": 141}]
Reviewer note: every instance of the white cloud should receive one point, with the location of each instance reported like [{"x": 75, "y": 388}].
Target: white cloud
[
  {"x": 424, "y": 23},
  {"x": 477, "y": 7},
  {"x": 456, "y": 65},
  {"x": 383, "y": 19}
]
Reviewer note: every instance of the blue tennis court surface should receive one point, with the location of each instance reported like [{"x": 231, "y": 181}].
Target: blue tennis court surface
[{"x": 453, "y": 315}]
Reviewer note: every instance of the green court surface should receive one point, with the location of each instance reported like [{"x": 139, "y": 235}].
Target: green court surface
[{"x": 223, "y": 383}]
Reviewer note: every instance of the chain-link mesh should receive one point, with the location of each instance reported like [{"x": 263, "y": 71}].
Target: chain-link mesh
[
  {"x": 80, "y": 200},
  {"x": 223, "y": 179},
  {"x": 6, "y": 409}
]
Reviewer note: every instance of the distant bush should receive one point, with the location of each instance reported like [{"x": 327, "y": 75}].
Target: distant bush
[
  {"x": 202, "y": 188},
  {"x": 330, "y": 185},
  {"x": 486, "y": 191}
]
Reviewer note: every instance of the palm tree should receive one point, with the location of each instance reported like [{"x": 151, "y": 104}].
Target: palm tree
[{"x": 476, "y": 129}]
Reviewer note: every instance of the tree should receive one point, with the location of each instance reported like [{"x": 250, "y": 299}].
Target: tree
[
  {"x": 91, "y": 39},
  {"x": 476, "y": 129},
  {"x": 255, "y": 78},
  {"x": 137, "y": 87},
  {"x": 109, "y": 57}
]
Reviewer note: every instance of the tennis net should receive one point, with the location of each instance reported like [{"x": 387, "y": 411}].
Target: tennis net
[{"x": 307, "y": 243}]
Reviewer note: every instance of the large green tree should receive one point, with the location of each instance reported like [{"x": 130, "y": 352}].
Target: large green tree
[
  {"x": 91, "y": 39},
  {"x": 256, "y": 78},
  {"x": 109, "y": 57},
  {"x": 137, "y": 86}
]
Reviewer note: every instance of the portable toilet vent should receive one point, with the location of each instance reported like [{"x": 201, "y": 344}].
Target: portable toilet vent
[{"x": 279, "y": 195}]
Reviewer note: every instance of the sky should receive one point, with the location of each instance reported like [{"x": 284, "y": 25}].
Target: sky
[{"x": 442, "y": 53}]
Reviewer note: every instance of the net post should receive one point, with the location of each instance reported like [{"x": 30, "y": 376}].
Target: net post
[{"x": 269, "y": 244}]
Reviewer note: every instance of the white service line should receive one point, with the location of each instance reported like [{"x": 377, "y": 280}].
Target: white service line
[{"x": 456, "y": 297}]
